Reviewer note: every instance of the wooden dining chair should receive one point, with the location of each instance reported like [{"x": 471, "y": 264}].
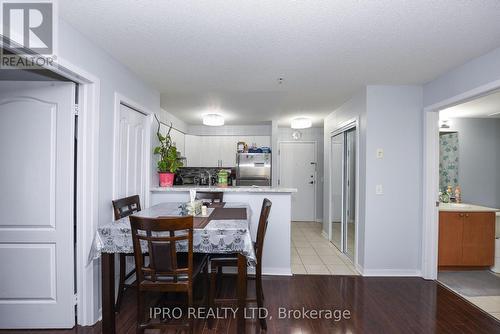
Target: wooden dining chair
[
  {"x": 217, "y": 262},
  {"x": 168, "y": 270},
  {"x": 122, "y": 208},
  {"x": 210, "y": 196}
]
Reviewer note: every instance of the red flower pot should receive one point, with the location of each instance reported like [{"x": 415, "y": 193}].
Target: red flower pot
[{"x": 166, "y": 179}]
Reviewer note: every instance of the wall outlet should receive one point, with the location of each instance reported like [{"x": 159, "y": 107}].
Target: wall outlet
[
  {"x": 379, "y": 189},
  {"x": 380, "y": 153}
]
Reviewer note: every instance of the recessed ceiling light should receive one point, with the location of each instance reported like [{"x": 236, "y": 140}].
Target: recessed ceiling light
[
  {"x": 213, "y": 120},
  {"x": 301, "y": 123}
]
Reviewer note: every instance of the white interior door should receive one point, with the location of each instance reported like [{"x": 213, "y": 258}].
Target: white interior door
[
  {"x": 131, "y": 154},
  {"x": 36, "y": 190},
  {"x": 298, "y": 170}
]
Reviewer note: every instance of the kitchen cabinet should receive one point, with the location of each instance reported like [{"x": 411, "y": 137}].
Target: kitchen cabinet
[
  {"x": 178, "y": 139},
  {"x": 466, "y": 239},
  {"x": 217, "y": 151},
  {"x": 192, "y": 151}
]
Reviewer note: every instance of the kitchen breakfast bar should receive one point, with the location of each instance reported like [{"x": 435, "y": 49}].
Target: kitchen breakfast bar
[{"x": 276, "y": 257}]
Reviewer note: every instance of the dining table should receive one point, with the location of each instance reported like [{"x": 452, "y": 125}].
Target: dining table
[{"x": 225, "y": 229}]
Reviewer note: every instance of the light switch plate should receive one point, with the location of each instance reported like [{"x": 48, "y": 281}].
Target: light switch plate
[
  {"x": 380, "y": 153},
  {"x": 379, "y": 189}
]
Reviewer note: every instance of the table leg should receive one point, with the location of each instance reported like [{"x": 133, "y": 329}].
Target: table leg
[
  {"x": 242, "y": 292},
  {"x": 108, "y": 293}
]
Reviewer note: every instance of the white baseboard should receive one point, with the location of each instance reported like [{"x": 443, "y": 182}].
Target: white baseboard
[
  {"x": 391, "y": 272},
  {"x": 277, "y": 271}
]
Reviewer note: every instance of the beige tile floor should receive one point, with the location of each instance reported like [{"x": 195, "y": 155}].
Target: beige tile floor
[
  {"x": 313, "y": 254},
  {"x": 489, "y": 304}
]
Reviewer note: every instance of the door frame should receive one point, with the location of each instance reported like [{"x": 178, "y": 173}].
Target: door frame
[
  {"x": 315, "y": 143},
  {"x": 122, "y": 99},
  {"x": 430, "y": 197},
  {"x": 345, "y": 126},
  {"x": 86, "y": 274}
]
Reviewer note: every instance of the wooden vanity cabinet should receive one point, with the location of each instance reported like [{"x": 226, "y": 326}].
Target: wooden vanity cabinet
[{"x": 466, "y": 239}]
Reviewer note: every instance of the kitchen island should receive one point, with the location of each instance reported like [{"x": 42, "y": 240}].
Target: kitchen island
[{"x": 276, "y": 258}]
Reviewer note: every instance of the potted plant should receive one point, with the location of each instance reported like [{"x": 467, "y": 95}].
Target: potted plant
[{"x": 168, "y": 163}]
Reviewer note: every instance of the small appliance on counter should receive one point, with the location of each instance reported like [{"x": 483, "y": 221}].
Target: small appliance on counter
[
  {"x": 253, "y": 169},
  {"x": 222, "y": 178}
]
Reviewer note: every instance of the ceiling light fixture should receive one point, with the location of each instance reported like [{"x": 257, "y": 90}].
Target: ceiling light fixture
[
  {"x": 301, "y": 123},
  {"x": 213, "y": 120}
]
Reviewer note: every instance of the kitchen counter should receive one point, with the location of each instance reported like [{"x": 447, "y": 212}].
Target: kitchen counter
[
  {"x": 464, "y": 207},
  {"x": 261, "y": 189},
  {"x": 277, "y": 255}
]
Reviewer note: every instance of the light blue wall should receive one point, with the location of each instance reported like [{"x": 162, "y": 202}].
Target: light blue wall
[
  {"x": 471, "y": 75},
  {"x": 389, "y": 225},
  {"x": 393, "y": 220}
]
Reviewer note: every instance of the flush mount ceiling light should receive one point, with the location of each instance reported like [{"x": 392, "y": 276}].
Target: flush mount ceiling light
[
  {"x": 301, "y": 123},
  {"x": 213, "y": 120}
]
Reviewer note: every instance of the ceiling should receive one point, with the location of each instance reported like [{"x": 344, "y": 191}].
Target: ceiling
[
  {"x": 487, "y": 106},
  {"x": 227, "y": 56}
]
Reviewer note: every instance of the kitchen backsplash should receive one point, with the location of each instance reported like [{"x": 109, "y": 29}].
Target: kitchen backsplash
[{"x": 189, "y": 175}]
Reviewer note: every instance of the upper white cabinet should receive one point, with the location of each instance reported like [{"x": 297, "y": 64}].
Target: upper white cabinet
[
  {"x": 192, "y": 150},
  {"x": 217, "y": 151}
]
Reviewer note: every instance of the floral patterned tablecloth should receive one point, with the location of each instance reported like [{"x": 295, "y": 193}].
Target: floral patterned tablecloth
[{"x": 217, "y": 237}]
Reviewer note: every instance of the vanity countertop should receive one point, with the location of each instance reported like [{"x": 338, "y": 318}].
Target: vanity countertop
[{"x": 464, "y": 207}]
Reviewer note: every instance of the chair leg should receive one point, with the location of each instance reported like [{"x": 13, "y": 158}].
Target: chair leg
[
  {"x": 211, "y": 295},
  {"x": 260, "y": 296},
  {"x": 121, "y": 286},
  {"x": 140, "y": 312},
  {"x": 190, "y": 304},
  {"x": 219, "y": 276}
]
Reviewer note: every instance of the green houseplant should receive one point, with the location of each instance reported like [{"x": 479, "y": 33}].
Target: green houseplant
[{"x": 168, "y": 163}]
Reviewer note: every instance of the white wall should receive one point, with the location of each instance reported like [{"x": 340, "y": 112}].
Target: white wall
[
  {"x": 114, "y": 77},
  {"x": 479, "y": 160},
  {"x": 477, "y": 72},
  {"x": 354, "y": 108},
  {"x": 393, "y": 220},
  {"x": 311, "y": 134}
]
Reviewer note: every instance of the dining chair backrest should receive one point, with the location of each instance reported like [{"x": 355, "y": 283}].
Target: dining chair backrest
[
  {"x": 211, "y": 196},
  {"x": 161, "y": 236},
  {"x": 124, "y": 207},
  {"x": 262, "y": 228}
]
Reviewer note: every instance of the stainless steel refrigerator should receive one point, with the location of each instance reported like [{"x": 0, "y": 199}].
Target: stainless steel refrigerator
[{"x": 253, "y": 169}]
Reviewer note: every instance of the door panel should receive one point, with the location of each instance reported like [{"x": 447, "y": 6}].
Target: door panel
[
  {"x": 131, "y": 169},
  {"x": 36, "y": 187},
  {"x": 478, "y": 239},
  {"x": 350, "y": 194},
  {"x": 298, "y": 170},
  {"x": 192, "y": 150},
  {"x": 343, "y": 192},
  {"x": 451, "y": 230},
  {"x": 337, "y": 167}
]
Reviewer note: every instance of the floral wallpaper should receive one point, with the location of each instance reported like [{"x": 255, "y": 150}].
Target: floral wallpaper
[{"x": 448, "y": 160}]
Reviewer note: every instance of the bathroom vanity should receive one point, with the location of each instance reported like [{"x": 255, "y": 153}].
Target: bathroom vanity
[{"x": 466, "y": 236}]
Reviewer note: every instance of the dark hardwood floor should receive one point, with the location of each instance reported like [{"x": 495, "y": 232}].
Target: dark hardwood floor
[{"x": 376, "y": 305}]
